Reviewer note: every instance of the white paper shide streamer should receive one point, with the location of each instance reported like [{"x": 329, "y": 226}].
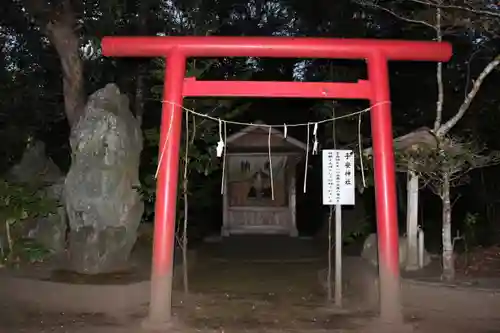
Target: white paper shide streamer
[
  {"x": 315, "y": 142},
  {"x": 220, "y": 144}
]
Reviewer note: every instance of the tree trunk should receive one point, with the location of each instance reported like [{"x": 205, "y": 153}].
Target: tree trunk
[
  {"x": 142, "y": 28},
  {"x": 448, "y": 257},
  {"x": 66, "y": 42},
  {"x": 58, "y": 22},
  {"x": 139, "y": 94}
]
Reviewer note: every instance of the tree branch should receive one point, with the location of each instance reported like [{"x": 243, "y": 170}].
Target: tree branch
[
  {"x": 439, "y": 75},
  {"x": 445, "y": 128},
  {"x": 403, "y": 18},
  {"x": 463, "y": 8}
]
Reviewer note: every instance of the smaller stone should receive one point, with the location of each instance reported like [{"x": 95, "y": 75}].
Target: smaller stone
[
  {"x": 37, "y": 169},
  {"x": 370, "y": 251},
  {"x": 35, "y": 166}
]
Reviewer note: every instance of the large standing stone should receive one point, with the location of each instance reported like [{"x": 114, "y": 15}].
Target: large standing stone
[
  {"x": 103, "y": 205},
  {"x": 37, "y": 169}
]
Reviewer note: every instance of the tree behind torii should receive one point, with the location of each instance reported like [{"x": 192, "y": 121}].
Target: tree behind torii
[{"x": 445, "y": 16}]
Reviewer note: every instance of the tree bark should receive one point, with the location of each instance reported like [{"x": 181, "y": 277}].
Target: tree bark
[
  {"x": 67, "y": 45},
  {"x": 139, "y": 94},
  {"x": 142, "y": 28},
  {"x": 59, "y": 23},
  {"x": 439, "y": 76},
  {"x": 448, "y": 258}
]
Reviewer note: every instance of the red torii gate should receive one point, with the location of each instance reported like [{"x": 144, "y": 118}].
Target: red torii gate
[{"x": 376, "y": 89}]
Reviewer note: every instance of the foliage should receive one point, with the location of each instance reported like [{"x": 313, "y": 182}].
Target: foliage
[
  {"x": 20, "y": 202},
  {"x": 26, "y": 250},
  {"x": 454, "y": 156}
]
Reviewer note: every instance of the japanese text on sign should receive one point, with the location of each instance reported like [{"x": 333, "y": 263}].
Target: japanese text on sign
[{"x": 338, "y": 177}]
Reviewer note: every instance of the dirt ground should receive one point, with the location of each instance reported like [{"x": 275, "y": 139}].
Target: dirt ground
[{"x": 230, "y": 294}]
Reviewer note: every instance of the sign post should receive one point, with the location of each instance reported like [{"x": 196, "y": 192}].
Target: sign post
[{"x": 338, "y": 190}]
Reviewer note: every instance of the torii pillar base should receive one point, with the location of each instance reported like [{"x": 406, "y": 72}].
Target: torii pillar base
[
  {"x": 171, "y": 325},
  {"x": 377, "y": 325}
]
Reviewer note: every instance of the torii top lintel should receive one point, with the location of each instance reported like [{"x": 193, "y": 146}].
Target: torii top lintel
[{"x": 278, "y": 47}]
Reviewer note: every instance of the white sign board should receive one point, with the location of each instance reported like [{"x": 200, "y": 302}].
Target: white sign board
[{"x": 338, "y": 177}]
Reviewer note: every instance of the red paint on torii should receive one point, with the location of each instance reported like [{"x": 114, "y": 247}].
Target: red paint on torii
[{"x": 376, "y": 89}]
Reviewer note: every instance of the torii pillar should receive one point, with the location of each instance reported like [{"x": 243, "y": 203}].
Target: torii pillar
[{"x": 176, "y": 50}]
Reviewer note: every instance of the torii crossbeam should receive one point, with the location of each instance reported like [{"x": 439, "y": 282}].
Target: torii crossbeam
[{"x": 176, "y": 50}]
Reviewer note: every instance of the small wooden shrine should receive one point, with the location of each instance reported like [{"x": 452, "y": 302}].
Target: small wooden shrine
[{"x": 260, "y": 182}]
